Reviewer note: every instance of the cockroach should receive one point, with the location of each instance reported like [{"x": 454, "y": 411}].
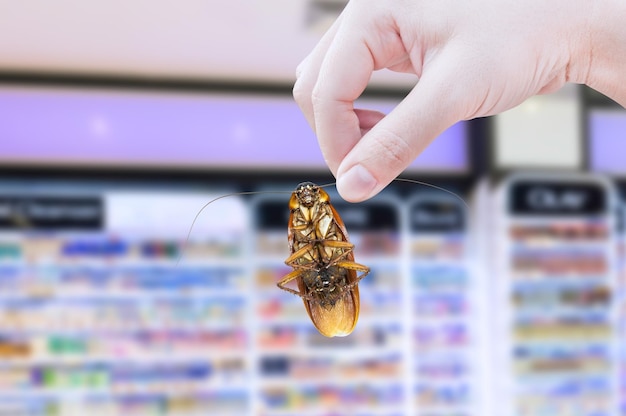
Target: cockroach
[
  {"x": 323, "y": 263},
  {"x": 322, "y": 258}
]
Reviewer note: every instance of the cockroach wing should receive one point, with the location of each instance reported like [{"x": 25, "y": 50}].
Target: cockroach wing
[{"x": 338, "y": 320}]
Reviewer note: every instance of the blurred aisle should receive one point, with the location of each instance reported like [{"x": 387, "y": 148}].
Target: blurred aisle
[{"x": 96, "y": 315}]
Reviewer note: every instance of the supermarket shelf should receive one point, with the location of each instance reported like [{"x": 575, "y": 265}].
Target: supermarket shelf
[{"x": 141, "y": 358}]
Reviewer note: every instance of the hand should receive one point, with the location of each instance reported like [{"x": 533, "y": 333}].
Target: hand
[{"x": 473, "y": 58}]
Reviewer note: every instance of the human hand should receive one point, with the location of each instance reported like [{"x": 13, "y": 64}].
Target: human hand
[{"x": 473, "y": 58}]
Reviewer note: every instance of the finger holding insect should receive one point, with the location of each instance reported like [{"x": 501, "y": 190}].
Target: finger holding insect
[{"x": 396, "y": 140}]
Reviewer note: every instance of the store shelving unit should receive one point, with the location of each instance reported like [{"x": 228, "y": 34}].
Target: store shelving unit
[
  {"x": 445, "y": 338},
  {"x": 556, "y": 321},
  {"x": 99, "y": 316}
]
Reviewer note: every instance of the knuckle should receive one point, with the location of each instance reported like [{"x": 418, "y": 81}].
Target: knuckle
[
  {"x": 323, "y": 99},
  {"x": 395, "y": 150},
  {"x": 300, "y": 92},
  {"x": 317, "y": 96}
]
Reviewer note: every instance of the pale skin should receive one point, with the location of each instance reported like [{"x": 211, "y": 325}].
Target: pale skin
[{"x": 473, "y": 58}]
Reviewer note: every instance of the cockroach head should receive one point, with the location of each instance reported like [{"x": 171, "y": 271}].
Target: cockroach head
[{"x": 307, "y": 193}]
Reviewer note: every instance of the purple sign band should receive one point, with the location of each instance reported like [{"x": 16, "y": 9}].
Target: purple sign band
[{"x": 113, "y": 127}]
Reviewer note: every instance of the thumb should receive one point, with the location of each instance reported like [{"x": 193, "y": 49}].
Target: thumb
[{"x": 396, "y": 140}]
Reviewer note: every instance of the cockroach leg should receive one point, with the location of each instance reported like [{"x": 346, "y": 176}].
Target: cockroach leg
[
  {"x": 288, "y": 278},
  {"x": 350, "y": 265}
]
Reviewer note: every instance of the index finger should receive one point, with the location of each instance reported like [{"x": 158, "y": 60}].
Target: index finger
[
  {"x": 344, "y": 74},
  {"x": 307, "y": 72}
]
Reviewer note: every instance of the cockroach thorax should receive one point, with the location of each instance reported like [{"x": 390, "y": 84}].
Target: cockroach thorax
[{"x": 308, "y": 194}]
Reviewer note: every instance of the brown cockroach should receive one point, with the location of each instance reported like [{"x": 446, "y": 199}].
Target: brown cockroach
[
  {"x": 322, "y": 259},
  {"x": 323, "y": 263}
]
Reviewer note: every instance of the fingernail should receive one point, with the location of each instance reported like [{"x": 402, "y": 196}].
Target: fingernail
[{"x": 356, "y": 184}]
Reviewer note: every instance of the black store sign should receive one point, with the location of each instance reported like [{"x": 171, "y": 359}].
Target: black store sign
[
  {"x": 51, "y": 213},
  {"x": 437, "y": 216},
  {"x": 548, "y": 198}
]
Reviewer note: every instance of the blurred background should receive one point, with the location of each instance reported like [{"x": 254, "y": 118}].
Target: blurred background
[{"x": 119, "y": 121}]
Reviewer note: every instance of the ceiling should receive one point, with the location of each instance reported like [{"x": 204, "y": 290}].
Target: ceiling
[{"x": 238, "y": 40}]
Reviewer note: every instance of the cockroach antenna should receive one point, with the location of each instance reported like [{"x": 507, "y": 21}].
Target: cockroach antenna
[
  {"x": 430, "y": 185},
  {"x": 180, "y": 255}
]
